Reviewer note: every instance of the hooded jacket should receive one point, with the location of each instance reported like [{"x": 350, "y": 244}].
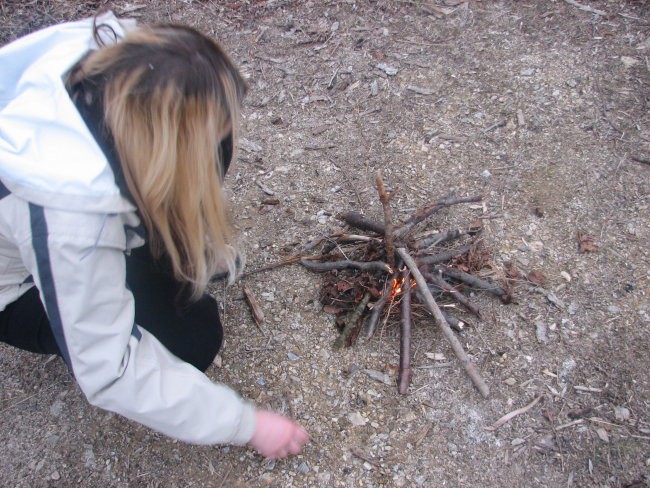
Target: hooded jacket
[{"x": 65, "y": 227}]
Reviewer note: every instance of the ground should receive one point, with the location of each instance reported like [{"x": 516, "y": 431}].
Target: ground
[{"x": 338, "y": 90}]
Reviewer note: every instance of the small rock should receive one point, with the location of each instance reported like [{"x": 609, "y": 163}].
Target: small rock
[
  {"x": 566, "y": 276},
  {"x": 510, "y": 381},
  {"x": 56, "y": 408},
  {"x": 629, "y": 61},
  {"x": 292, "y": 356},
  {"x": 55, "y": 476},
  {"x": 527, "y": 72},
  {"x": 602, "y": 434},
  {"x": 357, "y": 419},
  {"x": 303, "y": 468},
  {"x": 540, "y": 332},
  {"x": 217, "y": 361},
  {"x": 571, "y": 83},
  {"x": 517, "y": 441},
  {"x": 622, "y": 414},
  {"x": 613, "y": 309},
  {"x": 547, "y": 442},
  {"x": 389, "y": 70},
  {"x": 374, "y": 88},
  {"x": 379, "y": 376},
  {"x": 249, "y": 146},
  {"x": 486, "y": 174}
]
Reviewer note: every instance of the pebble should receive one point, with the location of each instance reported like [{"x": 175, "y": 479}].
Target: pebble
[
  {"x": 486, "y": 174},
  {"x": 303, "y": 468},
  {"x": 292, "y": 356},
  {"x": 540, "y": 331},
  {"x": 55, "y": 476},
  {"x": 389, "y": 70},
  {"x": 613, "y": 309},
  {"x": 527, "y": 72}
]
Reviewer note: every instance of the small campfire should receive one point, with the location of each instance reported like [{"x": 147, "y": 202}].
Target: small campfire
[{"x": 374, "y": 276}]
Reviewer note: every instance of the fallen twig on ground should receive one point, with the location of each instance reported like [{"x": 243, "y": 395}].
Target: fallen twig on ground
[{"x": 509, "y": 416}]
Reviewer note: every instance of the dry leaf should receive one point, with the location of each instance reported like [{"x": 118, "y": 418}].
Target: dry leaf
[
  {"x": 587, "y": 243},
  {"x": 536, "y": 277}
]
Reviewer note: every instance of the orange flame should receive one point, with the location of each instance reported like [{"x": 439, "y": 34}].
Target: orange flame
[{"x": 398, "y": 287}]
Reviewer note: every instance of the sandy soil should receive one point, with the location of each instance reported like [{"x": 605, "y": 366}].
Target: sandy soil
[{"x": 340, "y": 89}]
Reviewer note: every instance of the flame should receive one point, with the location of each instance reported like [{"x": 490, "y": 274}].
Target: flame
[{"x": 398, "y": 287}]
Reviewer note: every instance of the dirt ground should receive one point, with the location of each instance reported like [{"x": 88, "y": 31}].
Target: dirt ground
[{"x": 339, "y": 89}]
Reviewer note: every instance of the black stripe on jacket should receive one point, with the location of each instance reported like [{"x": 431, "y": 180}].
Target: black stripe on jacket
[{"x": 48, "y": 289}]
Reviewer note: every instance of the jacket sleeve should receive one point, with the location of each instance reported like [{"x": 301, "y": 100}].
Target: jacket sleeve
[{"x": 78, "y": 263}]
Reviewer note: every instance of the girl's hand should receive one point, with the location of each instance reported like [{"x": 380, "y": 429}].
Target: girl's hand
[{"x": 277, "y": 436}]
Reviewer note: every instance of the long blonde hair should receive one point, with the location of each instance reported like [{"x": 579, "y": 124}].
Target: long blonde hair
[{"x": 170, "y": 96}]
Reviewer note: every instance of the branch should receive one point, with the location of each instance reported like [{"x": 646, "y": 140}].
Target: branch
[
  {"x": 404, "y": 375},
  {"x": 350, "y": 322},
  {"x": 450, "y": 235},
  {"x": 378, "y": 308},
  {"x": 369, "y": 266},
  {"x": 426, "y": 212},
  {"x": 443, "y": 325},
  {"x": 358, "y": 221},
  {"x": 462, "y": 299},
  {"x": 442, "y": 256},
  {"x": 470, "y": 280},
  {"x": 388, "y": 220}
]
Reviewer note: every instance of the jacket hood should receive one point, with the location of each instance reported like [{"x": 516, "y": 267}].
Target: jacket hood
[{"x": 47, "y": 154}]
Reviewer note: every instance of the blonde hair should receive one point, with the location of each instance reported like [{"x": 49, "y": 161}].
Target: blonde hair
[{"x": 170, "y": 96}]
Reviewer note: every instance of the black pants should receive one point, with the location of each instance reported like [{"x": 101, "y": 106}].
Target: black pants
[{"x": 191, "y": 331}]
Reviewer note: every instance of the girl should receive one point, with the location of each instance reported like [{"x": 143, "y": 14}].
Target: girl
[{"x": 113, "y": 145}]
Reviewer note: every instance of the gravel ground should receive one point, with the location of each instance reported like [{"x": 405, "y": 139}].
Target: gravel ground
[{"x": 542, "y": 108}]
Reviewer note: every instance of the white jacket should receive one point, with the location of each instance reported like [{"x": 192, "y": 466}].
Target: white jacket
[{"x": 65, "y": 227}]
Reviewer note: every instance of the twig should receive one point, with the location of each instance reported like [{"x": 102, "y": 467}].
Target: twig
[
  {"x": 429, "y": 210},
  {"x": 369, "y": 266},
  {"x": 404, "y": 374},
  {"x": 462, "y": 299},
  {"x": 450, "y": 235},
  {"x": 364, "y": 457},
  {"x": 470, "y": 280},
  {"x": 290, "y": 260},
  {"x": 498, "y": 123},
  {"x": 225, "y": 478},
  {"x": 639, "y": 159},
  {"x": 443, "y": 325},
  {"x": 351, "y": 321},
  {"x": 454, "y": 323},
  {"x": 357, "y": 220},
  {"x": 388, "y": 219},
  {"x": 442, "y": 256},
  {"x": 586, "y": 8},
  {"x": 378, "y": 308},
  {"x": 509, "y": 416},
  {"x": 258, "y": 314}
]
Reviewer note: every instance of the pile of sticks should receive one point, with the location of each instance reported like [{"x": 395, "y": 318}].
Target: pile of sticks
[{"x": 393, "y": 266}]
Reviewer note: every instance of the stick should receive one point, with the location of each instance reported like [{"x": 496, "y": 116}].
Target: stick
[
  {"x": 450, "y": 235},
  {"x": 429, "y": 210},
  {"x": 351, "y": 321},
  {"x": 470, "y": 280},
  {"x": 378, "y": 308},
  {"x": 258, "y": 314},
  {"x": 357, "y": 220},
  {"x": 443, "y": 325},
  {"x": 586, "y": 8},
  {"x": 454, "y": 323},
  {"x": 442, "y": 256},
  {"x": 512, "y": 415},
  {"x": 290, "y": 260},
  {"x": 369, "y": 266},
  {"x": 462, "y": 299},
  {"x": 404, "y": 375},
  {"x": 388, "y": 220}
]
